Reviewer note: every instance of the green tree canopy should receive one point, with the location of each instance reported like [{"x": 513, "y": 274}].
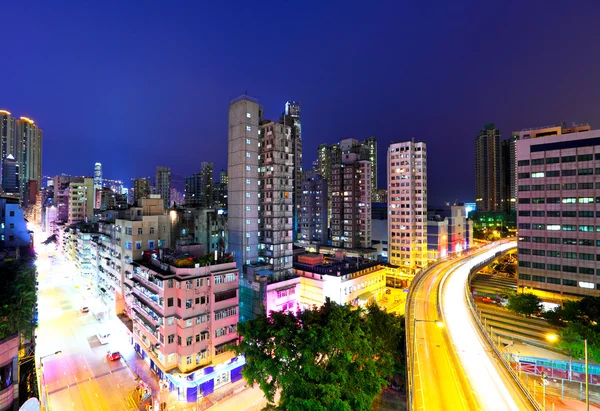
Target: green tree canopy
[
  {"x": 524, "y": 303},
  {"x": 17, "y": 298},
  {"x": 328, "y": 358}
]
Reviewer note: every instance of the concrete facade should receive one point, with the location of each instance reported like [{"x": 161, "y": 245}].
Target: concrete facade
[
  {"x": 407, "y": 205},
  {"x": 558, "y": 196},
  {"x": 313, "y": 209}
]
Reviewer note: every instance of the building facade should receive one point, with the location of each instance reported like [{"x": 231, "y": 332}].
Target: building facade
[
  {"x": 558, "y": 192},
  {"x": 407, "y": 204},
  {"x": 185, "y": 313},
  {"x": 488, "y": 169},
  {"x": 141, "y": 189},
  {"x": 163, "y": 185},
  {"x": 29, "y": 153},
  {"x": 291, "y": 118},
  {"x": 350, "y": 191},
  {"x": 314, "y": 209},
  {"x": 81, "y": 200}
]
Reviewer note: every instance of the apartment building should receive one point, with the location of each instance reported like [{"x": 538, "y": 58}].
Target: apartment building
[
  {"x": 162, "y": 184},
  {"x": 260, "y": 173},
  {"x": 488, "y": 169},
  {"x": 407, "y": 204},
  {"x": 350, "y": 191},
  {"x": 81, "y": 200},
  {"x": 185, "y": 312},
  {"x": 313, "y": 209},
  {"x": 558, "y": 195}
]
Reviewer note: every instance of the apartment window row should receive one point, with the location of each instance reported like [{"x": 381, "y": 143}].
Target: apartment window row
[
  {"x": 219, "y": 332},
  {"x": 554, "y": 280},
  {"x": 556, "y": 187},
  {"x": 556, "y": 160},
  {"x": 227, "y": 312},
  {"x": 560, "y": 200},
  {"x": 225, "y": 278}
]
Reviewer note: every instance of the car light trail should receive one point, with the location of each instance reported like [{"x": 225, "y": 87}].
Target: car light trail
[{"x": 480, "y": 368}]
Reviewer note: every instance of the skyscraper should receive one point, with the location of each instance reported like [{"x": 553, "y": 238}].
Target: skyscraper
[
  {"x": 291, "y": 118},
  {"x": 29, "y": 153},
  {"x": 8, "y": 134},
  {"x": 97, "y": 176},
  {"x": 488, "y": 169},
  {"x": 509, "y": 173},
  {"x": 163, "y": 185},
  {"x": 407, "y": 203},
  {"x": 313, "y": 210},
  {"x": 141, "y": 189}
]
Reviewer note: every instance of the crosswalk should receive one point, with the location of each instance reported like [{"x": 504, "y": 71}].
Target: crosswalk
[{"x": 131, "y": 403}]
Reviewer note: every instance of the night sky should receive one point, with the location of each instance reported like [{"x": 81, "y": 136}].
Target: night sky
[{"x": 148, "y": 83}]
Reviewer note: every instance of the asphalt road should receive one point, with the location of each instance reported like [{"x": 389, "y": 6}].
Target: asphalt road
[{"x": 453, "y": 367}]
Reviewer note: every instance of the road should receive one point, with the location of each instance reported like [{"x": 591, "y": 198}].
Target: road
[
  {"x": 80, "y": 378},
  {"x": 453, "y": 366}
]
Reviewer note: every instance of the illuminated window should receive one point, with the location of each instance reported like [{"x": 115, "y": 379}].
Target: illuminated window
[
  {"x": 248, "y": 128},
  {"x": 537, "y": 174},
  {"x": 247, "y": 155},
  {"x": 248, "y": 115}
]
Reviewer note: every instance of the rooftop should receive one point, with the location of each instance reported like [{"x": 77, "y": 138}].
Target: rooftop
[{"x": 335, "y": 268}]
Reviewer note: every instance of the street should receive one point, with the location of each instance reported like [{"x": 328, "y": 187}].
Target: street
[{"x": 80, "y": 377}]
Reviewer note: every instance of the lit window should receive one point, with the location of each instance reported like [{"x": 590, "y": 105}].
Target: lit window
[
  {"x": 553, "y": 227},
  {"x": 248, "y": 141},
  {"x": 247, "y": 208},
  {"x": 537, "y": 175},
  {"x": 247, "y": 221},
  {"x": 248, "y": 115},
  {"x": 247, "y": 168},
  {"x": 247, "y": 195},
  {"x": 248, "y": 128},
  {"x": 247, "y": 155},
  {"x": 247, "y": 181}
]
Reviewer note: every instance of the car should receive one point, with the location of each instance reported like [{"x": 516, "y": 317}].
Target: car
[
  {"x": 113, "y": 355},
  {"x": 85, "y": 309}
]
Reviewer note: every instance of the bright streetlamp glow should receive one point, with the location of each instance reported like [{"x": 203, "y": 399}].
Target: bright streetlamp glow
[{"x": 552, "y": 337}]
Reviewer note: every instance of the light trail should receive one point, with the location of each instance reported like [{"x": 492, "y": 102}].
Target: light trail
[{"x": 489, "y": 385}]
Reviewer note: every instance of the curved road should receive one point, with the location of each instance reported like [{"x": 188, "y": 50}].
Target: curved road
[{"x": 454, "y": 369}]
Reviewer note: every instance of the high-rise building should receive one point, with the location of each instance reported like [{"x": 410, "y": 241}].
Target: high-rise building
[
  {"x": 350, "y": 191},
  {"x": 81, "y": 200},
  {"x": 199, "y": 187},
  {"x": 557, "y": 197},
  {"x": 488, "y": 169},
  {"x": 291, "y": 117},
  {"x": 369, "y": 152},
  {"x": 407, "y": 204},
  {"x": 29, "y": 153},
  {"x": 98, "y": 176},
  {"x": 324, "y": 161},
  {"x": 223, "y": 178},
  {"x": 260, "y": 208},
  {"x": 276, "y": 175},
  {"x": 242, "y": 196},
  {"x": 220, "y": 191},
  {"x": 8, "y": 134},
  {"x": 162, "y": 184},
  {"x": 141, "y": 189},
  {"x": 509, "y": 173},
  {"x": 313, "y": 209},
  {"x": 10, "y": 175}
]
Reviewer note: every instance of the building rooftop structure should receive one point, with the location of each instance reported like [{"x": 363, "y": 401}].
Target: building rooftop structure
[{"x": 321, "y": 264}]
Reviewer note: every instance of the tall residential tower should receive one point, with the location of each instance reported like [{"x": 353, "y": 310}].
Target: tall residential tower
[
  {"x": 163, "y": 185},
  {"x": 407, "y": 203},
  {"x": 488, "y": 169}
]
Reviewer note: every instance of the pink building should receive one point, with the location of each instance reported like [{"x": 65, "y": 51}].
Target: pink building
[
  {"x": 9, "y": 387},
  {"x": 185, "y": 313}
]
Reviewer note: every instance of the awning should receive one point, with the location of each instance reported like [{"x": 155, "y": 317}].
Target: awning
[{"x": 366, "y": 296}]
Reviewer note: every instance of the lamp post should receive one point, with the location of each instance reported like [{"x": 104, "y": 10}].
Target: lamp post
[
  {"x": 553, "y": 338},
  {"x": 43, "y": 389},
  {"x": 440, "y": 324}
]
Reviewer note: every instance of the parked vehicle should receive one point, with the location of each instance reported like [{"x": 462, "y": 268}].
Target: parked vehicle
[
  {"x": 85, "y": 309},
  {"x": 113, "y": 355}
]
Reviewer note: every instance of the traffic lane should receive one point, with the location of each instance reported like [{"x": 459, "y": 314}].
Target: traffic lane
[
  {"x": 436, "y": 383},
  {"x": 444, "y": 369},
  {"x": 488, "y": 386}
]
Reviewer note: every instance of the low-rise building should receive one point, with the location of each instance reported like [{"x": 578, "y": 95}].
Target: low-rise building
[{"x": 343, "y": 280}]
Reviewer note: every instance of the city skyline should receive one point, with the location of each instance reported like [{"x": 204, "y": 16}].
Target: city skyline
[{"x": 114, "y": 81}]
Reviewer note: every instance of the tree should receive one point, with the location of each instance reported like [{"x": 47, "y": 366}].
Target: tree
[
  {"x": 327, "y": 358},
  {"x": 527, "y": 304},
  {"x": 17, "y": 299}
]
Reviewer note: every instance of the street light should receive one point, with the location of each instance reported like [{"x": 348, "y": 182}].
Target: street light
[
  {"x": 553, "y": 338},
  {"x": 440, "y": 324},
  {"x": 45, "y": 397}
]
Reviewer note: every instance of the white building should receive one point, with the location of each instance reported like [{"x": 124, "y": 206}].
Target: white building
[{"x": 407, "y": 203}]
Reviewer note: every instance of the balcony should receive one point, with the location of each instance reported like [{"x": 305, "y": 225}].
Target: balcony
[
  {"x": 147, "y": 327},
  {"x": 148, "y": 296},
  {"x": 147, "y": 312}
]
